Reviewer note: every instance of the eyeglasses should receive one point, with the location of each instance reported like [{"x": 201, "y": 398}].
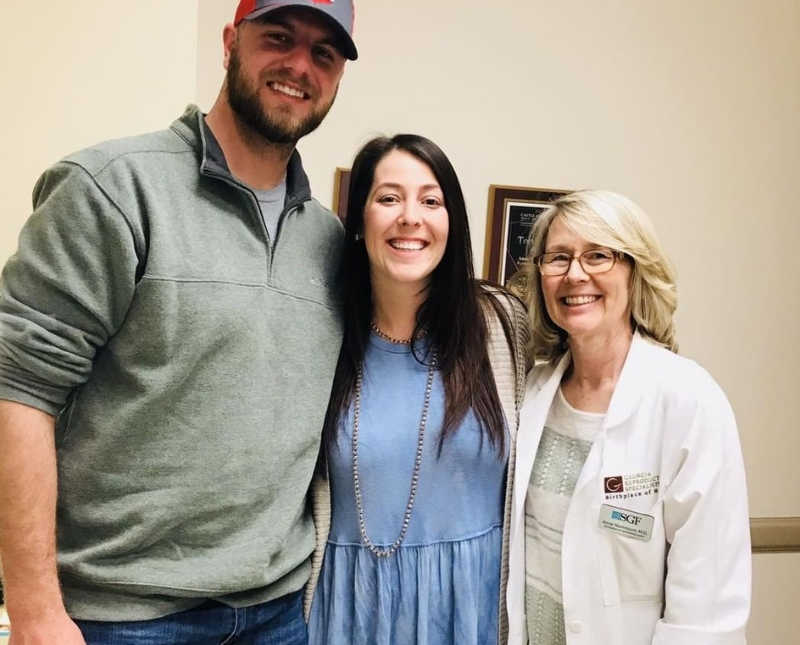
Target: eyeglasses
[{"x": 592, "y": 261}]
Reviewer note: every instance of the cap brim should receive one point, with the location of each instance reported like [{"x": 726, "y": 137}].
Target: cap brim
[{"x": 347, "y": 46}]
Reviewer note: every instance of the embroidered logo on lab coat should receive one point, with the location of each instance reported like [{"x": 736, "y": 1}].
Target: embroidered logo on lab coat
[{"x": 628, "y": 486}]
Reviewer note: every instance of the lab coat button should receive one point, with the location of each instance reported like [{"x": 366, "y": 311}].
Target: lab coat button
[{"x": 575, "y": 626}]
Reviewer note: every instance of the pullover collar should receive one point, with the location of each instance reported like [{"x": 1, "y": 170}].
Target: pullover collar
[{"x": 191, "y": 126}]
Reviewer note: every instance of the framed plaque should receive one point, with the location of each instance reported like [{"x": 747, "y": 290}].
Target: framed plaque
[
  {"x": 511, "y": 213},
  {"x": 341, "y": 187}
]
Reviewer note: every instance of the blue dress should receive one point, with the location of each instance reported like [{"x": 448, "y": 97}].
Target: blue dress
[{"x": 441, "y": 587}]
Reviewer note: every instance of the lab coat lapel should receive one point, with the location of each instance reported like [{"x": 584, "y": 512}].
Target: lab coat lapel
[
  {"x": 630, "y": 386},
  {"x": 624, "y": 401}
]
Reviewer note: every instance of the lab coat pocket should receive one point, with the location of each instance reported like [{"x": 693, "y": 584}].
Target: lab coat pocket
[{"x": 632, "y": 570}]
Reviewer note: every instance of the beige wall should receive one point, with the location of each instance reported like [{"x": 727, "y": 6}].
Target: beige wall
[
  {"x": 774, "y": 619},
  {"x": 690, "y": 108},
  {"x": 77, "y": 72}
]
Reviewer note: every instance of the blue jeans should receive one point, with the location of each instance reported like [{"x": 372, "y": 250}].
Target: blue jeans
[{"x": 278, "y": 622}]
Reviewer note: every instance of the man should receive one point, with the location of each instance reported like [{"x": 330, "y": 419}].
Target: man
[{"x": 168, "y": 336}]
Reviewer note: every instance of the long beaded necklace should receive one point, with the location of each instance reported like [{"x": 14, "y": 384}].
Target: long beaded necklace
[{"x": 362, "y": 520}]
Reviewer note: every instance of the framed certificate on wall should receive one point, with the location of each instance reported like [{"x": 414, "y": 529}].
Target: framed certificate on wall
[{"x": 511, "y": 214}]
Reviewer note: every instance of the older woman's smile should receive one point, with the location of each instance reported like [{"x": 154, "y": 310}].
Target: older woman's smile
[{"x": 579, "y": 300}]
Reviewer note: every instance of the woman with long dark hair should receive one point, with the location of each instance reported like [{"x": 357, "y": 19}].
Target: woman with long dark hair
[{"x": 422, "y": 417}]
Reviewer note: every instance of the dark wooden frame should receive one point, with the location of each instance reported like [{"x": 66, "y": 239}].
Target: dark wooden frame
[
  {"x": 341, "y": 191},
  {"x": 496, "y": 246}
]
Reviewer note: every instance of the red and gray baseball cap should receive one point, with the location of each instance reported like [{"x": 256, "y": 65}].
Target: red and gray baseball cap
[{"x": 340, "y": 14}]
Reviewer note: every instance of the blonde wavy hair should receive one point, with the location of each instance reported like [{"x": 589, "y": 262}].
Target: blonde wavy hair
[{"x": 608, "y": 219}]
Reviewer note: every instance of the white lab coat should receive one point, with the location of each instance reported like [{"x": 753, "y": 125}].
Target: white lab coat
[{"x": 689, "y": 584}]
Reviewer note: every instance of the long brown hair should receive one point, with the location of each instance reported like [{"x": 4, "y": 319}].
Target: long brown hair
[{"x": 453, "y": 314}]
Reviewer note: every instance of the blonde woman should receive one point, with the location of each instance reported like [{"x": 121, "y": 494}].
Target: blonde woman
[{"x": 629, "y": 516}]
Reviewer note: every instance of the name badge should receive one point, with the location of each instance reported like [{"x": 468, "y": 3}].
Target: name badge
[{"x": 626, "y": 522}]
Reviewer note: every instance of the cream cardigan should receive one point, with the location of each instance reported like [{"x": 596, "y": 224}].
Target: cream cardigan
[{"x": 509, "y": 368}]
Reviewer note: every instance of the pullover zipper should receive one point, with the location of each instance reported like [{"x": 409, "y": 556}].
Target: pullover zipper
[{"x": 254, "y": 205}]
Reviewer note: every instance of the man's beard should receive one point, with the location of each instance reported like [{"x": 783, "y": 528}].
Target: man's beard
[{"x": 246, "y": 103}]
